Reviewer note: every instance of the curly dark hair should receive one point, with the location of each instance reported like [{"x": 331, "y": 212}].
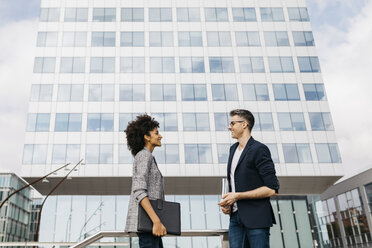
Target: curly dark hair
[{"x": 135, "y": 131}]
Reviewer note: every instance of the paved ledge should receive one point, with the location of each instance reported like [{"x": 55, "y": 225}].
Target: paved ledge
[{"x": 289, "y": 185}]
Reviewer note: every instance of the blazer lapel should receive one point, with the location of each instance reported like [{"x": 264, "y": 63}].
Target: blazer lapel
[{"x": 245, "y": 151}]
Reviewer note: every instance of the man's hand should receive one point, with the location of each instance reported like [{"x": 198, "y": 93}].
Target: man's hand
[
  {"x": 229, "y": 199},
  {"x": 226, "y": 209}
]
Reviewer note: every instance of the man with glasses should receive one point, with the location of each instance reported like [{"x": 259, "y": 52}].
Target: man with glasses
[{"x": 252, "y": 180}]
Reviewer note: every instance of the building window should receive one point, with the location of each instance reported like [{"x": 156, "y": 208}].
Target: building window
[
  {"x": 251, "y": 64},
  {"x": 255, "y": 92},
  {"x": 303, "y": 38},
  {"x": 188, "y": 14},
  {"x": 194, "y": 92},
  {"x": 274, "y": 152},
  {"x": 124, "y": 119},
  {"x": 103, "y": 39},
  {"x": 163, "y": 92},
  {"x": 167, "y": 154},
  {"x": 368, "y": 188},
  {"x": 223, "y": 153},
  {"x": 38, "y": 122},
  {"x": 74, "y": 39},
  {"x": 196, "y": 122},
  {"x": 244, "y": 14},
  {"x": 221, "y": 64},
  {"x": 101, "y": 93},
  {"x": 125, "y": 156},
  {"x": 44, "y": 64},
  {"x": 49, "y": 15},
  {"x": 216, "y": 15},
  {"x": 281, "y": 64},
  {"x": 70, "y": 92},
  {"x": 104, "y": 14},
  {"x": 224, "y": 92},
  {"x": 161, "y": 64},
  {"x": 263, "y": 122},
  {"x": 66, "y": 154},
  {"x": 98, "y": 154},
  {"x": 132, "y": 39},
  {"x": 67, "y": 123},
  {"x": 190, "y": 39},
  {"x": 297, "y": 153},
  {"x": 161, "y": 39},
  {"x": 132, "y": 92},
  {"x": 276, "y": 38},
  {"x": 314, "y": 92},
  {"x": 132, "y": 15},
  {"x": 328, "y": 153},
  {"x": 76, "y": 14},
  {"x": 102, "y": 64},
  {"x": 47, "y": 39},
  {"x": 72, "y": 65},
  {"x": 272, "y": 14},
  {"x": 167, "y": 121},
  {"x": 247, "y": 38},
  {"x": 221, "y": 121},
  {"x": 34, "y": 154},
  {"x": 132, "y": 64},
  {"x": 298, "y": 14},
  {"x": 321, "y": 121},
  {"x": 41, "y": 92},
  {"x": 160, "y": 14},
  {"x": 198, "y": 154},
  {"x": 286, "y": 92},
  {"x": 221, "y": 38},
  {"x": 308, "y": 64},
  {"x": 100, "y": 123},
  {"x": 291, "y": 122},
  {"x": 192, "y": 65}
]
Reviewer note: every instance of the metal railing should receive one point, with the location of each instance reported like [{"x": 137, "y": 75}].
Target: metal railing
[{"x": 223, "y": 233}]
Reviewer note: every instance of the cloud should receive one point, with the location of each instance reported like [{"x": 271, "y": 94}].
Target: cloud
[
  {"x": 16, "y": 62},
  {"x": 17, "y": 10},
  {"x": 346, "y": 58}
]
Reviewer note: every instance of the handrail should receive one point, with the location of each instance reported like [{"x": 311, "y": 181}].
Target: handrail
[
  {"x": 57, "y": 244},
  {"x": 223, "y": 233}
]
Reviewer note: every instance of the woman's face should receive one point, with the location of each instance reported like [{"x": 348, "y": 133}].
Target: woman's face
[{"x": 155, "y": 138}]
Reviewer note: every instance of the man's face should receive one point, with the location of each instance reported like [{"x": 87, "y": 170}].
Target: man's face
[{"x": 237, "y": 126}]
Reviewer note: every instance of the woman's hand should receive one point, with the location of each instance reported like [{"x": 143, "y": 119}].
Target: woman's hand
[{"x": 158, "y": 229}]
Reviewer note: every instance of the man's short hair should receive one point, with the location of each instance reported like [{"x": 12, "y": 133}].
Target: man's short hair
[{"x": 246, "y": 115}]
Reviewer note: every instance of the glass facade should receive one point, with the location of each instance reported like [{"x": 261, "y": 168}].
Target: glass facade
[
  {"x": 350, "y": 217},
  {"x": 15, "y": 213},
  {"x": 75, "y": 217}
]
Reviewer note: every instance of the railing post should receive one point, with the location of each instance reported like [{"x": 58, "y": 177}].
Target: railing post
[{"x": 225, "y": 240}]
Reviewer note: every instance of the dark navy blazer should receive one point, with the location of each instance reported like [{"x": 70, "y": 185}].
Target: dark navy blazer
[{"x": 255, "y": 169}]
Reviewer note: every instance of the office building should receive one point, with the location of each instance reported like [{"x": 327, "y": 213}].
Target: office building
[
  {"x": 347, "y": 211},
  {"x": 15, "y": 213},
  {"x": 99, "y": 63}
]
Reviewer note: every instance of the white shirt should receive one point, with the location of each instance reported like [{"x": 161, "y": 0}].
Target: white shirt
[{"x": 234, "y": 164}]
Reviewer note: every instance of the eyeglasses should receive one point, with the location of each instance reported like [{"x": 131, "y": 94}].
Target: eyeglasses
[{"x": 232, "y": 123}]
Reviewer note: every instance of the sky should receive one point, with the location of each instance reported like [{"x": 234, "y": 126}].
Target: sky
[{"x": 343, "y": 37}]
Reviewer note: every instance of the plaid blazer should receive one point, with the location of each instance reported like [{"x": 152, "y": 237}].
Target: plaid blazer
[{"x": 147, "y": 180}]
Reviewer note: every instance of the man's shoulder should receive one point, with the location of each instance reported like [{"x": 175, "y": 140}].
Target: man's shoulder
[{"x": 257, "y": 145}]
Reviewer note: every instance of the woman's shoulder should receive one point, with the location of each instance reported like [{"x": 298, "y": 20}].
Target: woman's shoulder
[{"x": 144, "y": 154}]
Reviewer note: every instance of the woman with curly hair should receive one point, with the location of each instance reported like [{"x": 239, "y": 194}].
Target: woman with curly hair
[{"x": 147, "y": 181}]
